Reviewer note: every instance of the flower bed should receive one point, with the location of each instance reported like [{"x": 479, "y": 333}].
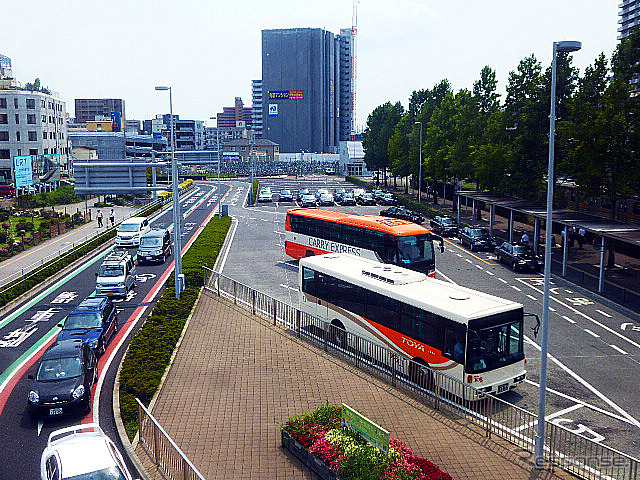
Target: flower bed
[{"x": 318, "y": 439}]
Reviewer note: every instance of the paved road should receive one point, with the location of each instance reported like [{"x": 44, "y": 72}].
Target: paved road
[
  {"x": 595, "y": 344},
  {"x": 27, "y": 330}
]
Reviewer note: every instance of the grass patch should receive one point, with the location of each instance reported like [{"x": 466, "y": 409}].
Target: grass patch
[{"x": 150, "y": 350}]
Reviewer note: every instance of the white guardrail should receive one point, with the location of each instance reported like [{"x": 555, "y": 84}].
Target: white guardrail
[{"x": 570, "y": 451}]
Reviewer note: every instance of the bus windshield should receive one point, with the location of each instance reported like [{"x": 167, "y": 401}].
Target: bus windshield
[
  {"x": 494, "y": 347},
  {"x": 415, "y": 249}
]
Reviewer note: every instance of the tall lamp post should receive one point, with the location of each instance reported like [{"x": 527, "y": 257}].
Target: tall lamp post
[
  {"x": 251, "y": 167},
  {"x": 566, "y": 46},
  {"x": 420, "y": 166},
  {"x": 219, "y": 158},
  {"x": 176, "y": 203}
]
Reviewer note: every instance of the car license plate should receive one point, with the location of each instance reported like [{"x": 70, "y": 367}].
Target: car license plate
[
  {"x": 148, "y": 258},
  {"x": 55, "y": 411},
  {"x": 503, "y": 388}
]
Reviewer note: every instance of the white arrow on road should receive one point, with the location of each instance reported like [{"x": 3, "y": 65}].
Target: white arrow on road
[{"x": 635, "y": 328}]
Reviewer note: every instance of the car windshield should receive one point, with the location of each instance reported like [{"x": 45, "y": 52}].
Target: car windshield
[
  {"x": 494, "y": 347},
  {"x": 447, "y": 221},
  {"x": 285, "y": 192},
  {"x": 151, "y": 242},
  {"x": 59, "y": 369},
  {"x": 129, "y": 227},
  {"x": 111, "y": 271},
  {"x": 415, "y": 249},
  {"x": 112, "y": 473},
  {"x": 520, "y": 249},
  {"x": 479, "y": 233},
  {"x": 77, "y": 321}
]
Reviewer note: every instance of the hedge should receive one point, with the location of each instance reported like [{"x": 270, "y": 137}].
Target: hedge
[
  {"x": 403, "y": 200},
  {"x": 150, "y": 350},
  {"x": 16, "y": 288}
]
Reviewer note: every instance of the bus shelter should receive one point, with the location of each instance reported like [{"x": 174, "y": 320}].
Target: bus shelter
[{"x": 605, "y": 231}]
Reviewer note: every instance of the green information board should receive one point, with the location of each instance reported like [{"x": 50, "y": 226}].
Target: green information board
[{"x": 371, "y": 432}]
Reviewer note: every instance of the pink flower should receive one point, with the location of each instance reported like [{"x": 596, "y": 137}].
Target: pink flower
[{"x": 328, "y": 452}]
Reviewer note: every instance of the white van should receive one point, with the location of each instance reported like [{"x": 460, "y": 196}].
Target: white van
[
  {"x": 116, "y": 275},
  {"x": 131, "y": 230}
]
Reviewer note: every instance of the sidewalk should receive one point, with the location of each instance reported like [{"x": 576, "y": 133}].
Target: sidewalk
[{"x": 235, "y": 378}]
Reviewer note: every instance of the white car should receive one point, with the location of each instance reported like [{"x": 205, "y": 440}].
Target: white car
[
  {"x": 265, "y": 195},
  {"x": 82, "y": 452},
  {"x": 131, "y": 231}
]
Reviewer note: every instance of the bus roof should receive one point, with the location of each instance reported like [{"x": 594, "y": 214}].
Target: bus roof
[
  {"x": 448, "y": 300},
  {"x": 394, "y": 226}
]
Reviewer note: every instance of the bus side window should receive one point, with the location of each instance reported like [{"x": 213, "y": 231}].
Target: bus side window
[
  {"x": 308, "y": 281},
  {"x": 454, "y": 345}
]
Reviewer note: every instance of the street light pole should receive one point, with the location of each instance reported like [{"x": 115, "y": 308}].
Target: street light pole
[
  {"x": 568, "y": 46},
  {"x": 251, "y": 167},
  {"x": 219, "y": 158},
  {"x": 177, "y": 215},
  {"x": 420, "y": 166}
]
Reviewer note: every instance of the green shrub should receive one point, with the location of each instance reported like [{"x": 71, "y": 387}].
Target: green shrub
[
  {"x": 26, "y": 226},
  {"x": 150, "y": 350},
  {"x": 4, "y": 215}
]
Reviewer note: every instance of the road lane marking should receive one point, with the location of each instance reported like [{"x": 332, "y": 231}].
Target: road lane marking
[
  {"x": 603, "y": 313},
  {"x": 502, "y": 280},
  {"x": 552, "y": 309},
  {"x": 489, "y": 273},
  {"x": 289, "y": 287},
  {"x": 479, "y": 267},
  {"x": 515, "y": 288},
  {"x": 593, "y": 334},
  {"x": 467, "y": 260},
  {"x": 532, "y": 297},
  {"x": 551, "y": 416},
  {"x": 619, "y": 349},
  {"x": 568, "y": 319}
]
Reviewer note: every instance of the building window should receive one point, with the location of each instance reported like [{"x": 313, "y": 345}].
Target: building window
[
  {"x": 31, "y": 103},
  {"x": 15, "y": 102},
  {"x": 19, "y": 151},
  {"x": 31, "y": 119},
  {"x": 33, "y": 151},
  {"x": 46, "y": 151},
  {"x": 18, "y": 136},
  {"x": 33, "y": 136},
  {"x": 44, "y": 119},
  {"x": 5, "y": 154},
  {"x": 50, "y": 135},
  {"x": 17, "y": 119},
  {"x": 3, "y": 119},
  {"x": 44, "y": 135},
  {"x": 3, "y": 103},
  {"x": 51, "y": 120},
  {"x": 4, "y": 136},
  {"x": 42, "y": 103}
]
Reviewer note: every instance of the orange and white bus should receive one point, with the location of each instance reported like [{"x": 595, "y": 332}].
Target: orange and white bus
[
  {"x": 313, "y": 231},
  {"x": 471, "y": 336}
]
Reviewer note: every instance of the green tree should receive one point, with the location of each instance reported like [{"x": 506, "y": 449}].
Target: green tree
[
  {"x": 380, "y": 127},
  {"x": 399, "y": 147}
]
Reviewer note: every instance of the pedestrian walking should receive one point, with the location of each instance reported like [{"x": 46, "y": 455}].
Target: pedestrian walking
[
  {"x": 99, "y": 217},
  {"x": 525, "y": 238},
  {"x": 581, "y": 237},
  {"x": 112, "y": 217}
]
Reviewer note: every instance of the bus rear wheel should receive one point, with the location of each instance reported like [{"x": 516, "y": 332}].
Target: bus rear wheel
[
  {"x": 337, "y": 334},
  {"x": 310, "y": 253},
  {"x": 420, "y": 374}
]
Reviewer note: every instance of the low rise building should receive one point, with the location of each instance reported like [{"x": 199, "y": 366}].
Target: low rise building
[{"x": 262, "y": 149}]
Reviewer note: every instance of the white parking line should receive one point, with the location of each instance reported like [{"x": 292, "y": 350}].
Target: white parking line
[
  {"x": 479, "y": 267},
  {"x": 515, "y": 288},
  {"x": 568, "y": 319},
  {"x": 489, "y": 273},
  {"x": 549, "y": 417},
  {"x": 532, "y": 297},
  {"x": 502, "y": 280},
  {"x": 552, "y": 309},
  {"x": 467, "y": 260},
  {"x": 603, "y": 313},
  {"x": 458, "y": 254},
  {"x": 289, "y": 287},
  {"x": 619, "y": 349},
  {"x": 593, "y": 334}
]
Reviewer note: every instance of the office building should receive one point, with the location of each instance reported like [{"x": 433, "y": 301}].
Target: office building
[
  {"x": 86, "y": 109},
  {"x": 111, "y": 145},
  {"x": 7, "y": 79},
  {"x": 629, "y": 17},
  {"x": 236, "y": 116},
  {"x": 306, "y": 88},
  {"x": 31, "y": 123},
  {"x": 256, "y": 107},
  {"x": 263, "y": 150}
]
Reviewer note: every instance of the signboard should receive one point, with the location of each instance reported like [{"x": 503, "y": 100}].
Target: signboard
[
  {"x": 371, "y": 432},
  {"x": 273, "y": 110},
  {"x": 286, "y": 94},
  {"x": 296, "y": 94},
  {"x": 35, "y": 169},
  {"x": 279, "y": 94},
  {"x": 116, "y": 122}
]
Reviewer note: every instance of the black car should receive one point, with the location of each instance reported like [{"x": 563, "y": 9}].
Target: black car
[
  {"x": 403, "y": 214},
  {"x": 444, "y": 226},
  {"x": 519, "y": 256},
  {"x": 366, "y": 199},
  {"x": 155, "y": 246},
  {"x": 62, "y": 385},
  {"x": 377, "y": 194},
  {"x": 286, "y": 196},
  {"x": 94, "y": 321},
  {"x": 387, "y": 199},
  {"x": 339, "y": 194},
  {"x": 476, "y": 238},
  {"x": 302, "y": 192}
]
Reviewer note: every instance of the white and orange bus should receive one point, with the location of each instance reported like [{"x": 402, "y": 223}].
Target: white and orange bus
[
  {"x": 313, "y": 231},
  {"x": 471, "y": 336}
]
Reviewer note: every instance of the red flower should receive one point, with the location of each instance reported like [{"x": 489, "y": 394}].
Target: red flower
[
  {"x": 328, "y": 452},
  {"x": 430, "y": 471}
]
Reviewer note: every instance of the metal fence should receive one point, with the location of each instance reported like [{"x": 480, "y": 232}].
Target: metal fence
[
  {"x": 569, "y": 450},
  {"x": 163, "y": 450}
]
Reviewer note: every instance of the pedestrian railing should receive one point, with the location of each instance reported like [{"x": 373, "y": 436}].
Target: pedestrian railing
[
  {"x": 164, "y": 452},
  {"x": 563, "y": 447}
]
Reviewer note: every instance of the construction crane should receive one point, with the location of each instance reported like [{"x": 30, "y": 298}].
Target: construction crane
[{"x": 354, "y": 31}]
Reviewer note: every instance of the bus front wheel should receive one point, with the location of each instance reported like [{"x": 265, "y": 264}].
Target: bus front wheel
[
  {"x": 338, "y": 334},
  {"x": 420, "y": 374},
  {"x": 310, "y": 253}
]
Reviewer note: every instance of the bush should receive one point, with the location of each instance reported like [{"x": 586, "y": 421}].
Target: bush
[
  {"x": 150, "y": 350},
  {"x": 26, "y": 226},
  {"x": 4, "y": 215},
  {"x": 3, "y": 236},
  {"x": 45, "y": 226}
]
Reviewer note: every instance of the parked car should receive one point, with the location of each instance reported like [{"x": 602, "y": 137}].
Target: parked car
[
  {"x": 444, "y": 226},
  {"x": 356, "y": 192},
  {"x": 366, "y": 199},
  {"x": 286, "y": 196},
  {"x": 116, "y": 275},
  {"x": 339, "y": 194},
  {"x": 64, "y": 379},
  {"x": 265, "y": 195},
  {"x": 82, "y": 452},
  {"x": 476, "y": 238},
  {"x": 302, "y": 192},
  {"x": 403, "y": 214},
  {"x": 320, "y": 192},
  {"x": 326, "y": 199},
  {"x": 388, "y": 199},
  {"x": 155, "y": 246},
  {"x": 377, "y": 194},
  {"x": 131, "y": 231},
  {"x": 347, "y": 199},
  {"x": 94, "y": 321},
  {"x": 308, "y": 201},
  {"x": 519, "y": 256}
]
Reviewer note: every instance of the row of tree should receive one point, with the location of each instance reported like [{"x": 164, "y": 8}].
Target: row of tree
[{"x": 503, "y": 147}]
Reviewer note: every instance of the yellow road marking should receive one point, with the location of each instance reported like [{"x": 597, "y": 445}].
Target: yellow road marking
[{"x": 467, "y": 251}]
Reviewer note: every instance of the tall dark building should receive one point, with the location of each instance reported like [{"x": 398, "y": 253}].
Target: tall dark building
[
  {"x": 86, "y": 109},
  {"x": 629, "y": 14},
  {"x": 304, "y": 87}
]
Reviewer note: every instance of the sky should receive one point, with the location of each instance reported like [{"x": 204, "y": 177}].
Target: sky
[{"x": 208, "y": 51}]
